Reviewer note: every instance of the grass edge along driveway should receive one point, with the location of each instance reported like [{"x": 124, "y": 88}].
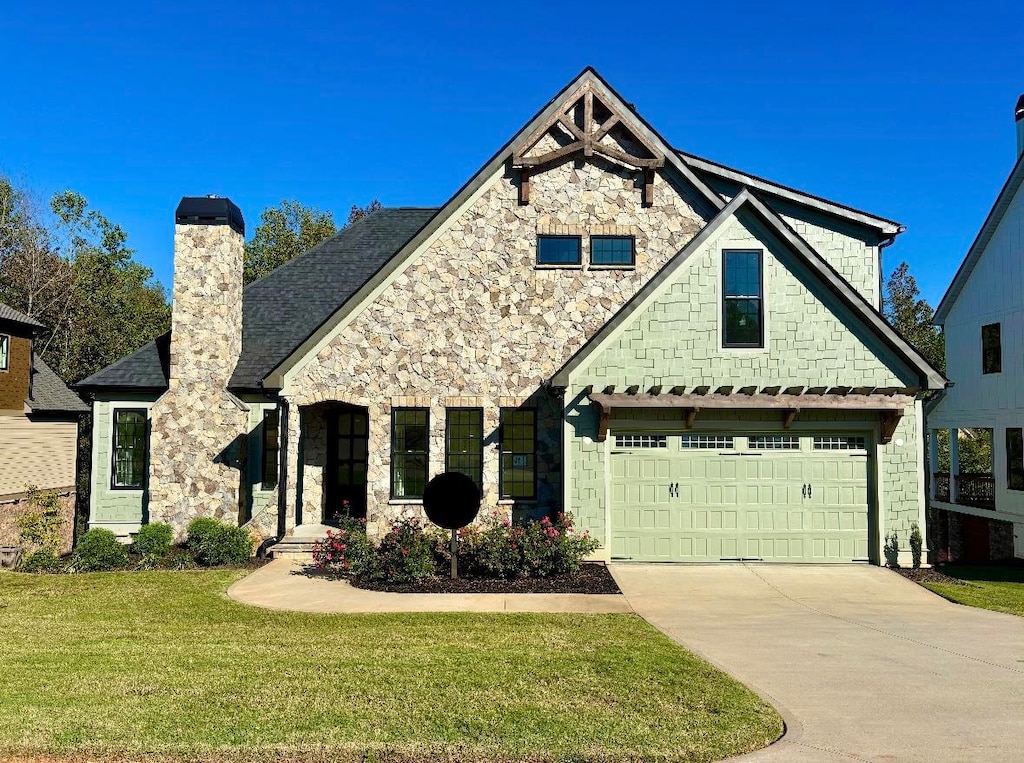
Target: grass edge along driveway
[
  {"x": 999, "y": 588},
  {"x": 163, "y": 665}
]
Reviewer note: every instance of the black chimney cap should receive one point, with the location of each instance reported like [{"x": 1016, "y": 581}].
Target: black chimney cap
[
  {"x": 1019, "y": 111},
  {"x": 209, "y": 210}
]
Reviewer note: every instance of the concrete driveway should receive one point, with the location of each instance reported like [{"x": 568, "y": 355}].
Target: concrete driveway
[{"x": 862, "y": 664}]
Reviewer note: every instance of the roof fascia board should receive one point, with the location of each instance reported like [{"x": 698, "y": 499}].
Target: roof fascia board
[
  {"x": 930, "y": 376},
  {"x": 654, "y": 288},
  {"x": 282, "y": 374},
  {"x": 985, "y": 233},
  {"x": 888, "y": 227}
]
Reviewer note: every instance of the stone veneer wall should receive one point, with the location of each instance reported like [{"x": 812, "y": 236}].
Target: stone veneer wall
[
  {"x": 198, "y": 428},
  {"x": 13, "y": 507},
  {"x": 474, "y": 318}
]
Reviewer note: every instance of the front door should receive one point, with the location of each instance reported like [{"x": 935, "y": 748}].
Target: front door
[{"x": 348, "y": 433}]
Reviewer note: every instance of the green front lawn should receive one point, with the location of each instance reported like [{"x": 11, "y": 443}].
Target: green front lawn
[
  {"x": 998, "y": 588},
  {"x": 131, "y": 664}
]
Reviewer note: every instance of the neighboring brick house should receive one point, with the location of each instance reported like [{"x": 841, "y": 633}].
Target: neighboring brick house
[
  {"x": 979, "y": 516},
  {"x": 687, "y": 358},
  {"x": 38, "y": 428}
]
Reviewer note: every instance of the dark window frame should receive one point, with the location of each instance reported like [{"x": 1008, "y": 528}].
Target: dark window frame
[
  {"x": 546, "y": 237},
  {"x": 395, "y": 454},
  {"x": 5, "y": 356},
  {"x": 991, "y": 357},
  {"x": 503, "y": 493},
  {"x": 632, "y": 252},
  {"x": 1015, "y": 476},
  {"x": 726, "y": 298},
  {"x": 114, "y": 449},
  {"x": 268, "y": 466},
  {"x": 478, "y": 476}
]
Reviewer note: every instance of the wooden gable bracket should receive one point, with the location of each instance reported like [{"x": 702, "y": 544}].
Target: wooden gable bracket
[
  {"x": 787, "y": 417},
  {"x": 602, "y": 426},
  {"x": 890, "y": 420},
  {"x": 587, "y": 139},
  {"x": 691, "y": 416}
]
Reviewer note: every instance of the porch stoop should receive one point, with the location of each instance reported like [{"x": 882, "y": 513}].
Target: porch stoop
[{"x": 298, "y": 544}]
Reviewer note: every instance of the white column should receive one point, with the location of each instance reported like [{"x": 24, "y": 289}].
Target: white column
[
  {"x": 933, "y": 460},
  {"x": 954, "y": 463}
]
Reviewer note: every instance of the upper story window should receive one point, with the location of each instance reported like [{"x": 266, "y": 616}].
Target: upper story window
[
  {"x": 131, "y": 446},
  {"x": 559, "y": 250},
  {"x": 612, "y": 250},
  {"x": 5, "y": 351},
  {"x": 410, "y": 435},
  {"x": 742, "y": 302},
  {"x": 271, "y": 449},
  {"x": 991, "y": 349}
]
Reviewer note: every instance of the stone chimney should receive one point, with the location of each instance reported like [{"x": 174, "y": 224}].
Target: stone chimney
[
  {"x": 197, "y": 425},
  {"x": 1018, "y": 114}
]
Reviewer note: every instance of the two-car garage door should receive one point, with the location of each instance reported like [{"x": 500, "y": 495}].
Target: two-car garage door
[{"x": 708, "y": 497}]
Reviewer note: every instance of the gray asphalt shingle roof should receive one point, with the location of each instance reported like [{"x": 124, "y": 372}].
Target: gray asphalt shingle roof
[
  {"x": 49, "y": 392},
  {"x": 282, "y": 309},
  {"x": 8, "y": 313}
]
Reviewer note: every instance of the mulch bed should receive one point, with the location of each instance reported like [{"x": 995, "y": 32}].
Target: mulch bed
[
  {"x": 931, "y": 575},
  {"x": 592, "y": 578}
]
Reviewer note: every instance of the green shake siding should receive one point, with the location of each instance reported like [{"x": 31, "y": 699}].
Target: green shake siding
[{"x": 810, "y": 341}]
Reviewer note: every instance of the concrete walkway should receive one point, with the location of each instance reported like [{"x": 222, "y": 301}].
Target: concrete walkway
[
  {"x": 282, "y": 585},
  {"x": 863, "y": 664}
]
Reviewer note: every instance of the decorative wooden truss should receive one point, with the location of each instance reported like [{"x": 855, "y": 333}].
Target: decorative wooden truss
[
  {"x": 889, "y": 402},
  {"x": 587, "y": 124}
]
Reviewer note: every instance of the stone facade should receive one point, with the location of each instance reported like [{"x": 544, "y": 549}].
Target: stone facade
[
  {"x": 474, "y": 317},
  {"x": 12, "y": 508},
  {"x": 197, "y": 442}
]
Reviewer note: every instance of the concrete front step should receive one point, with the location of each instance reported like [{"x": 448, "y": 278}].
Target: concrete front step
[{"x": 298, "y": 545}]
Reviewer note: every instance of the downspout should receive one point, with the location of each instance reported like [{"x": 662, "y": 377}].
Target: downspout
[{"x": 885, "y": 242}]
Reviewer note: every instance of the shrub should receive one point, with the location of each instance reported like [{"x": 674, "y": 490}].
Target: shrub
[
  {"x": 345, "y": 551},
  {"x": 43, "y": 560},
  {"x": 405, "y": 555},
  {"x": 40, "y": 527},
  {"x": 214, "y": 543},
  {"x": 154, "y": 540},
  {"x": 892, "y": 549},
  {"x": 99, "y": 551},
  {"x": 498, "y": 548},
  {"x": 916, "y": 544}
]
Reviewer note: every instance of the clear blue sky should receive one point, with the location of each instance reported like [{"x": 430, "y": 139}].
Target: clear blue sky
[{"x": 903, "y": 109}]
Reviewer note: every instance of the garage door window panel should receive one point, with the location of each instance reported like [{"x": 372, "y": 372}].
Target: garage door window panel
[
  {"x": 773, "y": 442},
  {"x": 705, "y": 442}
]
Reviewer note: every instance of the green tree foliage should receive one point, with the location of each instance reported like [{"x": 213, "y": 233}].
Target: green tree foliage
[
  {"x": 288, "y": 230},
  {"x": 70, "y": 268},
  {"x": 912, "y": 316},
  {"x": 285, "y": 232}
]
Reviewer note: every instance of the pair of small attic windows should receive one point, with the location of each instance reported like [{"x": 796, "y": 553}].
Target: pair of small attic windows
[{"x": 605, "y": 251}]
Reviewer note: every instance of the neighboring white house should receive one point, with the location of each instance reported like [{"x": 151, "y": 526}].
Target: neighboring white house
[{"x": 981, "y": 516}]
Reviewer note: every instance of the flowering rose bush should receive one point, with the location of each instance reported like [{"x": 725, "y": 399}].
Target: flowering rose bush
[
  {"x": 495, "y": 547},
  {"x": 346, "y": 551},
  {"x": 404, "y": 555}
]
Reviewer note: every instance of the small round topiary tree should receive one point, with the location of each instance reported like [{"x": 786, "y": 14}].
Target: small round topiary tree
[{"x": 99, "y": 551}]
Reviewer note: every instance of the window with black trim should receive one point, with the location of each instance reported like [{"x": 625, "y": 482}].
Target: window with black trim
[
  {"x": 464, "y": 443},
  {"x": 991, "y": 349},
  {"x": 742, "y": 303},
  {"x": 130, "y": 449},
  {"x": 5, "y": 352},
  {"x": 612, "y": 250},
  {"x": 559, "y": 250},
  {"x": 518, "y": 472},
  {"x": 410, "y": 437},
  {"x": 1015, "y": 458},
  {"x": 271, "y": 449}
]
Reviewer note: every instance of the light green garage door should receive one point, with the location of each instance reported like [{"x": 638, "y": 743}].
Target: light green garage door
[{"x": 705, "y": 497}]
